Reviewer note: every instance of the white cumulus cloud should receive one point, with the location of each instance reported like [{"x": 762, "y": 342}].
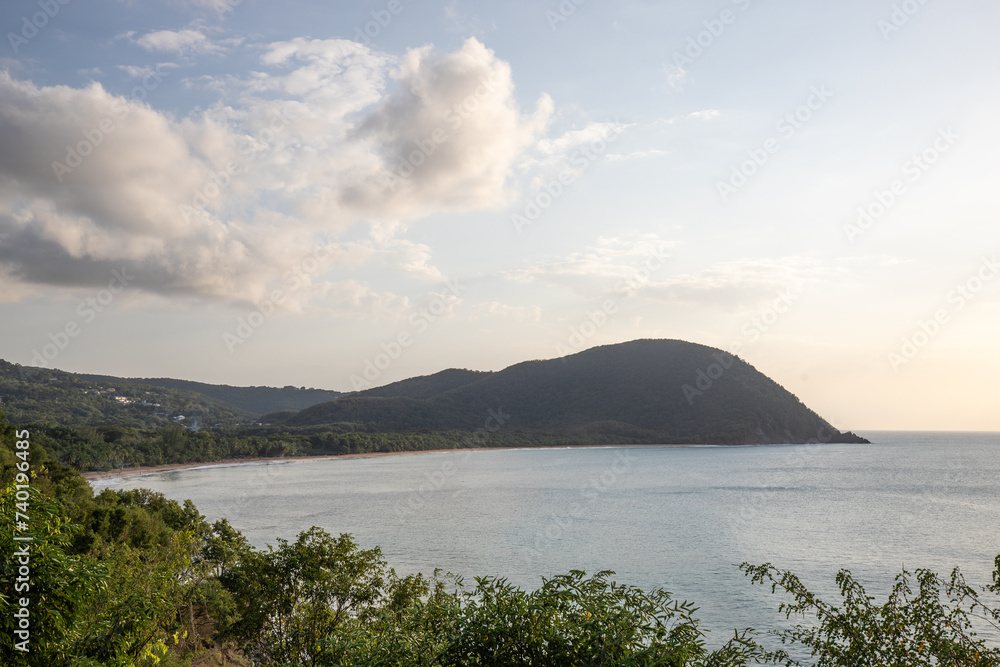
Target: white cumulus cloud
[
  {"x": 180, "y": 42},
  {"x": 223, "y": 202}
]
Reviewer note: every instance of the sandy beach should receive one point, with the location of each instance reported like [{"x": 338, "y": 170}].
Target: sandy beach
[{"x": 133, "y": 471}]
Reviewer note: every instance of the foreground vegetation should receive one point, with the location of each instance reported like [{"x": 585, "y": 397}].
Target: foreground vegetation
[{"x": 131, "y": 578}]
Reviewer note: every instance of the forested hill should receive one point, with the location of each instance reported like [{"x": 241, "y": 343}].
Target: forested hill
[
  {"x": 644, "y": 391},
  {"x": 255, "y": 400},
  {"x": 51, "y": 396},
  {"x": 428, "y": 386},
  {"x": 666, "y": 391},
  {"x": 54, "y": 397}
]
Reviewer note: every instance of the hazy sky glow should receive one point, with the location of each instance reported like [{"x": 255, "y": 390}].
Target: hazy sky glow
[{"x": 317, "y": 193}]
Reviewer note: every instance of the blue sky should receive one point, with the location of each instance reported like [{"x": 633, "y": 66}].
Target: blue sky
[{"x": 343, "y": 194}]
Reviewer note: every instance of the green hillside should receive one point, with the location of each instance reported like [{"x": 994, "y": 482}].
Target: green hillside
[
  {"x": 428, "y": 386},
  {"x": 44, "y": 396},
  {"x": 665, "y": 391},
  {"x": 254, "y": 400}
]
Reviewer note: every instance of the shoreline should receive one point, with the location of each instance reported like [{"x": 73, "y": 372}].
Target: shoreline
[{"x": 138, "y": 471}]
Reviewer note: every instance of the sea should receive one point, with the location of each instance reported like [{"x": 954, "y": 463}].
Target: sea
[{"x": 680, "y": 519}]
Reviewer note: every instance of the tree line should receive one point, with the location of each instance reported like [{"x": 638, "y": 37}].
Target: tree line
[{"x": 110, "y": 447}]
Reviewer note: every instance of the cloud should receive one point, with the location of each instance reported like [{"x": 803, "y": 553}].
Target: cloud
[
  {"x": 214, "y": 5},
  {"x": 705, "y": 114},
  {"x": 354, "y": 300},
  {"x": 136, "y": 72},
  {"x": 462, "y": 22},
  {"x": 119, "y": 205},
  {"x": 675, "y": 76},
  {"x": 336, "y": 76},
  {"x": 619, "y": 157},
  {"x": 222, "y": 203},
  {"x": 430, "y": 131},
  {"x": 641, "y": 267},
  {"x": 180, "y": 42},
  {"x": 599, "y": 268},
  {"x": 451, "y": 132},
  {"x": 414, "y": 259},
  {"x": 742, "y": 283},
  {"x": 495, "y": 309},
  {"x": 91, "y": 182},
  {"x": 556, "y": 151}
]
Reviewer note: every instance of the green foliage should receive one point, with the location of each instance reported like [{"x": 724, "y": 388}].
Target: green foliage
[
  {"x": 322, "y": 601},
  {"x": 106, "y": 448},
  {"x": 139, "y": 518},
  {"x": 574, "y": 620},
  {"x": 131, "y": 620},
  {"x": 110, "y": 577},
  {"x": 932, "y": 625},
  {"x": 291, "y": 597},
  {"x": 61, "y": 585}
]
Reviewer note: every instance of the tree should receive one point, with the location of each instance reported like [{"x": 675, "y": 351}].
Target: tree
[
  {"x": 291, "y": 597},
  {"x": 59, "y": 589},
  {"x": 570, "y": 620},
  {"x": 932, "y": 625},
  {"x": 111, "y": 599}
]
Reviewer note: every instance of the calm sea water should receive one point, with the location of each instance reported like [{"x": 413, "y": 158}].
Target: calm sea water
[{"x": 679, "y": 518}]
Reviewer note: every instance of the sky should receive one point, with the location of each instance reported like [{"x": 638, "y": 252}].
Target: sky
[{"x": 341, "y": 195}]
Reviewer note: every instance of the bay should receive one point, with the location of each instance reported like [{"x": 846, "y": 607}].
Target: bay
[{"x": 678, "y": 518}]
